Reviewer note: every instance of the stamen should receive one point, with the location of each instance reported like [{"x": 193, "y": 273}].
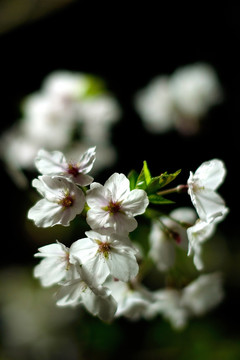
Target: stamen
[
  {"x": 104, "y": 248},
  {"x": 67, "y": 201},
  {"x": 67, "y": 259},
  {"x": 73, "y": 169},
  {"x": 113, "y": 207}
]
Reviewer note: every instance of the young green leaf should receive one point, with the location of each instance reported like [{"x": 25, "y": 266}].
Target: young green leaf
[
  {"x": 158, "y": 182},
  {"x": 147, "y": 173},
  {"x": 144, "y": 177},
  {"x": 133, "y": 176},
  {"x": 165, "y": 178},
  {"x": 158, "y": 199}
]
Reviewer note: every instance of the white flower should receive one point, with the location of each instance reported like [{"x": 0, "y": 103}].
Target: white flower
[
  {"x": 195, "y": 88},
  {"x": 113, "y": 205},
  {"x": 202, "y": 186},
  {"x": 195, "y": 299},
  {"x": 162, "y": 247},
  {"x": 66, "y": 86},
  {"x": 180, "y": 100},
  {"x": 167, "y": 233},
  {"x": 43, "y": 117},
  {"x": 55, "y": 265},
  {"x": 105, "y": 155},
  {"x": 154, "y": 104},
  {"x": 103, "y": 255},
  {"x": 63, "y": 200},
  {"x": 55, "y": 163},
  {"x": 203, "y": 294},
  {"x": 97, "y": 114},
  {"x": 82, "y": 290},
  {"x": 200, "y": 232},
  {"x": 167, "y": 302},
  {"x": 133, "y": 301}
]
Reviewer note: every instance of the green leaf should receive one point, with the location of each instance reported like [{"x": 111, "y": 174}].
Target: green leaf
[
  {"x": 144, "y": 177},
  {"x": 133, "y": 176},
  {"x": 158, "y": 199},
  {"x": 165, "y": 178},
  {"x": 147, "y": 174},
  {"x": 153, "y": 186},
  {"x": 160, "y": 181}
]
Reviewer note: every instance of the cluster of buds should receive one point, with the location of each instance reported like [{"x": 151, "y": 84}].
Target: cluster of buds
[{"x": 106, "y": 270}]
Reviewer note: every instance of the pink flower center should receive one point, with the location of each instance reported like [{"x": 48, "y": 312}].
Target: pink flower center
[
  {"x": 67, "y": 201},
  {"x": 73, "y": 169},
  {"x": 104, "y": 248},
  {"x": 114, "y": 207}
]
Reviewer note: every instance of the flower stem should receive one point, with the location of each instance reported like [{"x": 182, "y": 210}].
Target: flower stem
[{"x": 177, "y": 189}]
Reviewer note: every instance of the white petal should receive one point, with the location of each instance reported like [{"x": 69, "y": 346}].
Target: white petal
[
  {"x": 203, "y": 294},
  {"x": 44, "y": 213},
  {"x": 209, "y": 204},
  {"x": 136, "y": 202},
  {"x": 211, "y": 173},
  {"x": 123, "y": 223},
  {"x": 162, "y": 249},
  {"x": 82, "y": 179},
  {"x": 70, "y": 293},
  {"x": 84, "y": 250},
  {"x": 87, "y": 160},
  {"x": 122, "y": 264},
  {"x": 100, "y": 302},
  {"x": 98, "y": 268},
  {"x": 97, "y": 196},
  {"x": 118, "y": 185},
  {"x": 52, "y": 250},
  {"x": 50, "y": 271},
  {"x": 50, "y": 163},
  {"x": 98, "y": 218}
]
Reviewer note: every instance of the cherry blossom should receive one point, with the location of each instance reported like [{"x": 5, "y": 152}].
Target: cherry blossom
[
  {"x": 83, "y": 290},
  {"x": 103, "y": 255},
  {"x": 55, "y": 265},
  {"x": 63, "y": 200},
  {"x": 113, "y": 205},
  {"x": 202, "y": 186},
  {"x": 203, "y": 294},
  {"x": 55, "y": 163},
  {"x": 167, "y": 233},
  {"x": 133, "y": 299},
  {"x": 198, "y": 234}
]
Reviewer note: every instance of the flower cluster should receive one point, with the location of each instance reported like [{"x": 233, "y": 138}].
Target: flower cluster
[
  {"x": 76, "y": 107},
  {"x": 179, "y": 101},
  {"x": 106, "y": 271}
]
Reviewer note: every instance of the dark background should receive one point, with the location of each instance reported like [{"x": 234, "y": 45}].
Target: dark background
[{"x": 127, "y": 47}]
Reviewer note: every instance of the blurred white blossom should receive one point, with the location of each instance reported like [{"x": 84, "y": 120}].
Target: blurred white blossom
[
  {"x": 132, "y": 300},
  {"x": 180, "y": 100},
  {"x": 195, "y": 299},
  {"x": 168, "y": 232},
  {"x": 30, "y": 321},
  {"x": 203, "y": 294},
  {"x": 70, "y": 110}
]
